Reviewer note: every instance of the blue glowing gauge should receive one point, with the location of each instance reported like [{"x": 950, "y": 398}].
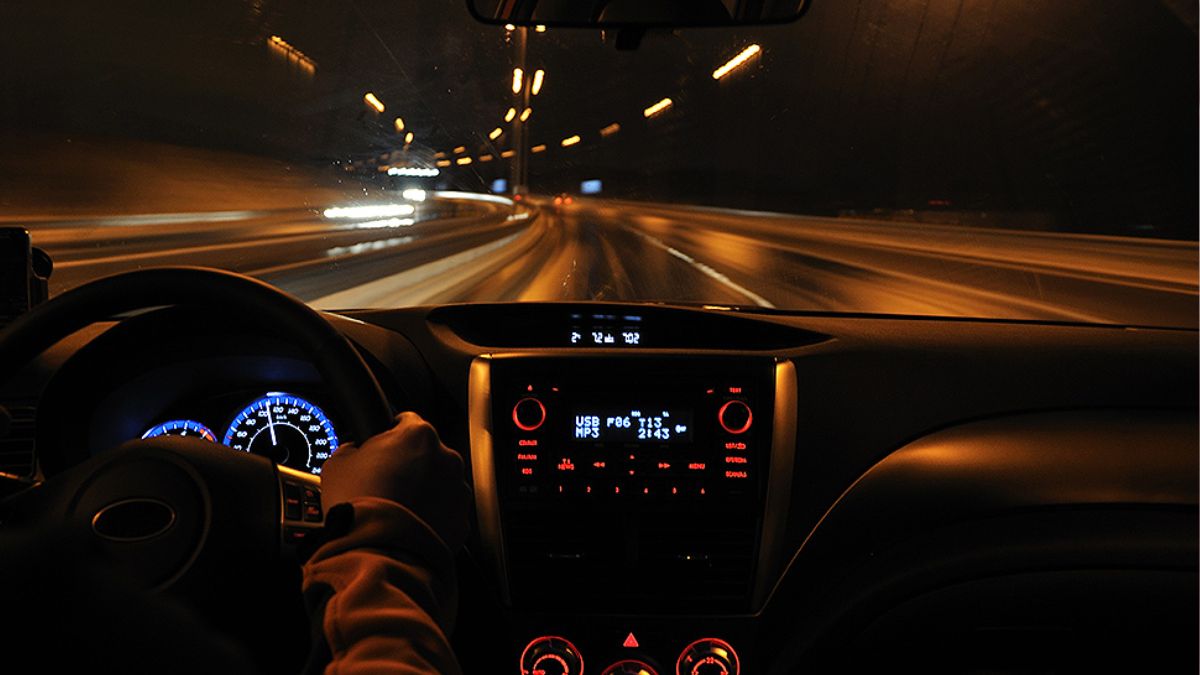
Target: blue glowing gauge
[
  {"x": 181, "y": 428},
  {"x": 286, "y": 429}
]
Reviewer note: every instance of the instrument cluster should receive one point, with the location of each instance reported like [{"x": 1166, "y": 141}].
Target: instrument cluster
[{"x": 285, "y": 428}]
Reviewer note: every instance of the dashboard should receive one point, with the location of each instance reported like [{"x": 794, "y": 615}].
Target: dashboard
[{"x": 668, "y": 490}]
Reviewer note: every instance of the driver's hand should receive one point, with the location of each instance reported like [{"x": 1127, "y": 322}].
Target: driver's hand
[{"x": 407, "y": 464}]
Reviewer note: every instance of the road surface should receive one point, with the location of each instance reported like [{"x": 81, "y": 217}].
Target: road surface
[{"x": 459, "y": 248}]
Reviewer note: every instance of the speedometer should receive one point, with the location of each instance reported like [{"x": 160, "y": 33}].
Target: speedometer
[{"x": 287, "y": 429}]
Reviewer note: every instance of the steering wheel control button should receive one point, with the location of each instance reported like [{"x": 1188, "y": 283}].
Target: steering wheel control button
[
  {"x": 293, "y": 502},
  {"x": 630, "y": 667},
  {"x": 294, "y": 535},
  {"x": 551, "y": 655},
  {"x": 529, "y": 414},
  {"x": 708, "y": 656},
  {"x": 312, "y": 506},
  {"x": 735, "y": 417}
]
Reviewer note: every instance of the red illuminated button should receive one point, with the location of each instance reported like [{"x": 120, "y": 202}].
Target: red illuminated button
[
  {"x": 735, "y": 417},
  {"x": 710, "y": 656},
  {"x": 529, "y": 414}
]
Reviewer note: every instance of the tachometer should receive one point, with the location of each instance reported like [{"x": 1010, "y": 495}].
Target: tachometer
[
  {"x": 287, "y": 429},
  {"x": 181, "y": 428}
]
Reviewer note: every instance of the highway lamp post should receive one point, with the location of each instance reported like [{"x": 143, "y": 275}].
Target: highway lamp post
[{"x": 520, "y": 122}]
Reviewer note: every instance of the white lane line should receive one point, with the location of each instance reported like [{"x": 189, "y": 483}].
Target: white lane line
[
  {"x": 139, "y": 219},
  {"x": 708, "y": 271},
  {"x": 192, "y": 250},
  {"x": 411, "y": 284}
]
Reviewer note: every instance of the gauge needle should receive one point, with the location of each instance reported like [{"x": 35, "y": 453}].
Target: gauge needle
[{"x": 271, "y": 426}]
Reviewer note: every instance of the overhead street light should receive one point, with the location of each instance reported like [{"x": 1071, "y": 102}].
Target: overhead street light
[
  {"x": 736, "y": 61},
  {"x": 571, "y": 140},
  {"x": 510, "y": 115},
  {"x": 517, "y": 79},
  {"x": 292, "y": 55},
  {"x": 538, "y": 148},
  {"x": 463, "y": 161},
  {"x": 399, "y": 124},
  {"x": 610, "y": 130},
  {"x": 495, "y": 133},
  {"x": 526, "y": 113},
  {"x": 373, "y": 101},
  {"x": 658, "y": 107},
  {"x": 538, "y": 76},
  {"x": 408, "y": 138}
]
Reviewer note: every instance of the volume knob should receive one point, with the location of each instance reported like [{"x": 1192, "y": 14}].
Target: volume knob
[{"x": 529, "y": 414}]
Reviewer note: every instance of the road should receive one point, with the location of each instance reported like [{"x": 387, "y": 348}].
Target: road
[{"x": 458, "y": 248}]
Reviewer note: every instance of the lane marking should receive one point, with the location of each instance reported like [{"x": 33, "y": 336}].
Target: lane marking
[
  {"x": 193, "y": 250},
  {"x": 444, "y": 271},
  {"x": 140, "y": 219},
  {"x": 708, "y": 271}
]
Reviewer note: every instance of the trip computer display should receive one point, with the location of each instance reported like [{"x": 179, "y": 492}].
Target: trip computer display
[{"x": 605, "y": 330}]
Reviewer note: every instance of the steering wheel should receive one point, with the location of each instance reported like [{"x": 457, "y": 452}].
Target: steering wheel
[{"x": 171, "y": 510}]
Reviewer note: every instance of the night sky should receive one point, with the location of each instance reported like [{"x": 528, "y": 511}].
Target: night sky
[{"x": 1082, "y": 113}]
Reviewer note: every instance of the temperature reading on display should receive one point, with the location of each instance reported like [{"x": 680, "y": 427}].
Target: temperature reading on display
[
  {"x": 605, "y": 330},
  {"x": 634, "y": 425}
]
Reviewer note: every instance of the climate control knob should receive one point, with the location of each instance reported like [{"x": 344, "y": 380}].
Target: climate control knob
[
  {"x": 629, "y": 667},
  {"x": 551, "y": 655},
  {"x": 709, "y": 656},
  {"x": 529, "y": 414},
  {"x": 735, "y": 417}
]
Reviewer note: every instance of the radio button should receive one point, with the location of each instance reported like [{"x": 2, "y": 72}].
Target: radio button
[{"x": 735, "y": 417}]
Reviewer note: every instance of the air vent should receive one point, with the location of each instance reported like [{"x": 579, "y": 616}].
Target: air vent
[{"x": 16, "y": 448}]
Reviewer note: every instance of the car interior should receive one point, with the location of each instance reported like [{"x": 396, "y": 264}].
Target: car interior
[{"x": 659, "y": 487}]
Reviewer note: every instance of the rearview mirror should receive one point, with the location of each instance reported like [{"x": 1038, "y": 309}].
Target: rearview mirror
[{"x": 635, "y": 13}]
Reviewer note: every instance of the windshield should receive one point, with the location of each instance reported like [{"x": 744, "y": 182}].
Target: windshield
[{"x": 1013, "y": 160}]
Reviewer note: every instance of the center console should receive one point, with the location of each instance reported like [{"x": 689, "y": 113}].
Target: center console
[{"x": 630, "y": 505}]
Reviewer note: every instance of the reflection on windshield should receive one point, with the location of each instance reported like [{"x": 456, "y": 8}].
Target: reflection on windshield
[{"x": 1035, "y": 160}]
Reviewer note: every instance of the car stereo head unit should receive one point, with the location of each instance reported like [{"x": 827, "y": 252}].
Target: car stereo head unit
[
  {"x": 639, "y": 482},
  {"x": 610, "y": 437}
]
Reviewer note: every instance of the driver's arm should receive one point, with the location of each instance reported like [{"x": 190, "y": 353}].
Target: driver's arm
[{"x": 382, "y": 587}]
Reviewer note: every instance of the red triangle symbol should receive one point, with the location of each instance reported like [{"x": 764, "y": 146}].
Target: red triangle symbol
[{"x": 630, "y": 641}]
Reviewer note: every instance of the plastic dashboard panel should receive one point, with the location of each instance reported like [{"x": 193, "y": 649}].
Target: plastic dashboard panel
[{"x": 1072, "y": 492}]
